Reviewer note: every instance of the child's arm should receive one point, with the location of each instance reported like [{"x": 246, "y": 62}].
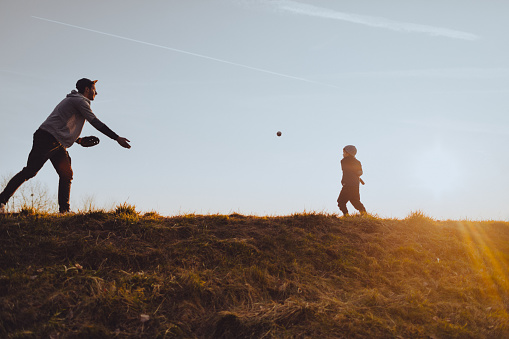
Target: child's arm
[
  {"x": 359, "y": 170},
  {"x": 359, "y": 173}
]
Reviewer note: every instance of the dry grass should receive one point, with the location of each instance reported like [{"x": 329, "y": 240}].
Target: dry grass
[{"x": 126, "y": 275}]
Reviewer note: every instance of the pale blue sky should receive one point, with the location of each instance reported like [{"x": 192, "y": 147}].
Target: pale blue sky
[{"x": 201, "y": 87}]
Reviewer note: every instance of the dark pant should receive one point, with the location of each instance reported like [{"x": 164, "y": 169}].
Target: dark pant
[
  {"x": 45, "y": 147},
  {"x": 350, "y": 193}
]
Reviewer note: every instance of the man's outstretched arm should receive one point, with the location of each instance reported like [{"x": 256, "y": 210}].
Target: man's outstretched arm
[
  {"x": 124, "y": 142},
  {"x": 100, "y": 126}
]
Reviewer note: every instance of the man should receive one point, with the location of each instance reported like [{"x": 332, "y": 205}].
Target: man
[
  {"x": 60, "y": 131},
  {"x": 352, "y": 171}
]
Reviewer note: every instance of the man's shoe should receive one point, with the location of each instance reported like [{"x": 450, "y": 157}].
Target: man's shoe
[{"x": 3, "y": 209}]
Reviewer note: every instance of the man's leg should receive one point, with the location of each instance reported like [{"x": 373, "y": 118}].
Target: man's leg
[
  {"x": 40, "y": 153},
  {"x": 343, "y": 199},
  {"x": 62, "y": 163}
]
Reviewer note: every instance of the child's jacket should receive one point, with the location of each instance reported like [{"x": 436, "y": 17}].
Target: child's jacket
[{"x": 352, "y": 170}]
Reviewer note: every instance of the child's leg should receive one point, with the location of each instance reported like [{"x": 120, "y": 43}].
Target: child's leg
[
  {"x": 355, "y": 200},
  {"x": 343, "y": 199}
]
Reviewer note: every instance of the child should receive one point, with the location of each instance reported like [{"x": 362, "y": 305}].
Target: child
[{"x": 352, "y": 170}]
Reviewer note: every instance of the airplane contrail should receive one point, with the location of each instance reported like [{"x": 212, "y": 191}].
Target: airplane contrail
[
  {"x": 379, "y": 22},
  {"x": 188, "y": 53}
]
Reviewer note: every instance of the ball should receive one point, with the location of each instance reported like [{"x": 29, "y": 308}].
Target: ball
[{"x": 278, "y": 133}]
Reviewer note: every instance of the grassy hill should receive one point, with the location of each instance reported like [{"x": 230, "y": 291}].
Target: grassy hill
[{"x": 126, "y": 275}]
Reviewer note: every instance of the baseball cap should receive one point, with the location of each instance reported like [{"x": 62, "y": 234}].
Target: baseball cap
[{"x": 82, "y": 83}]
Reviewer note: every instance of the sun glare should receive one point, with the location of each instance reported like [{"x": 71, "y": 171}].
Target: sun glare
[
  {"x": 485, "y": 258},
  {"x": 436, "y": 171}
]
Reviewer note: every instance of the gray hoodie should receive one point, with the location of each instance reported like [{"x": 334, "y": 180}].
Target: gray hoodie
[{"x": 66, "y": 121}]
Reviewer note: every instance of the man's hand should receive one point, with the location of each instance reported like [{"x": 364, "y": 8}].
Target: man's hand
[
  {"x": 88, "y": 141},
  {"x": 124, "y": 142}
]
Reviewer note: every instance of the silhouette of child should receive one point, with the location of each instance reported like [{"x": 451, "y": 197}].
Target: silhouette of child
[{"x": 352, "y": 170}]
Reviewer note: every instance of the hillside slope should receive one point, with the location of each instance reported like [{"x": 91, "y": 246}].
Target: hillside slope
[{"x": 125, "y": 275}]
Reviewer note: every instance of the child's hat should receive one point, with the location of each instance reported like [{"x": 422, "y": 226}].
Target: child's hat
[{"x": 350, "y": 149}]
